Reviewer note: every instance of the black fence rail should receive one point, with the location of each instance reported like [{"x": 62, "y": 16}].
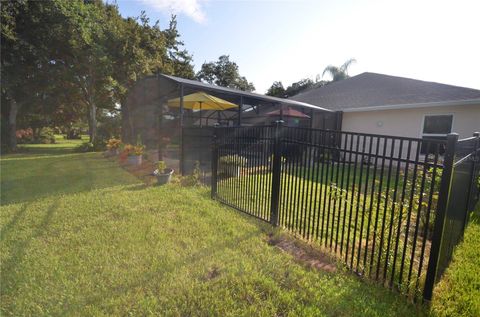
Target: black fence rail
[{"x": 391, "y": 208}]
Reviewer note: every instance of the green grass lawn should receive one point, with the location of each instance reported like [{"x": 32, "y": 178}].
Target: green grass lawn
[
  {"x": 80, "y": 236},
  {"x": 41, "y": 170},
  {"x": 458, "y": 293}
]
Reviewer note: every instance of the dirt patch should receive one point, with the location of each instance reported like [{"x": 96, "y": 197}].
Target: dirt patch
[
  {"x": 212, "y": 273},
  {"x": 304, "y": 253}
]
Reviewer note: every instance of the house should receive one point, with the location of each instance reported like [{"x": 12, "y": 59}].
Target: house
[{"x": 382, "y": 104}]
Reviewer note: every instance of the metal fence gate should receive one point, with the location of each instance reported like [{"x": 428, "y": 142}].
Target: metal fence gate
[{"x": 391, "y": 208}]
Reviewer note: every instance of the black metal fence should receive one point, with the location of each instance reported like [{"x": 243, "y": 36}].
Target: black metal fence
[{"x": 391, "y": 208}]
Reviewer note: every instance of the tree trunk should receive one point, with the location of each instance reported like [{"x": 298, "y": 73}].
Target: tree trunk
[
  {"x": 93, "y": 121},
  {"x": 12, "y": 125}
]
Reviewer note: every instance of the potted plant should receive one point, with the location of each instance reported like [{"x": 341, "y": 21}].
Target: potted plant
[
  {"x": 135, "y": 154},
  {"x": 231, "y": 165},
  {"x": 113, "y": 146},
  {"x": 124, "y": 150},
  {"x": 163, "y": 174}
]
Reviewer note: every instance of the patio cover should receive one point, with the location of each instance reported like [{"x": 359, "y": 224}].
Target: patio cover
[{"x": 232, "y": 95}]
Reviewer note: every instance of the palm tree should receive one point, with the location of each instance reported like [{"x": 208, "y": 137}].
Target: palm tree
[{"x": 339, "y": 73}]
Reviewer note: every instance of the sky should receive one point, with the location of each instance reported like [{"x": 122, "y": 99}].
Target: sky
[{"x": 287, "y": 40}]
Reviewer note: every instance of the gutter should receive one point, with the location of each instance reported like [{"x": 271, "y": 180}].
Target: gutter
[{"x": 465, "y": 102}]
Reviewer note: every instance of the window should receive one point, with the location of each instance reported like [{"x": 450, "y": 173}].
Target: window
[
  {"x": 436, "y": 127},
  {"x": 439, "y": 125}
]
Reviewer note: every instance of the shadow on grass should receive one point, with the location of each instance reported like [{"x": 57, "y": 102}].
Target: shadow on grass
[
  {"x": 27, "y": 150},
  {"x": 11, "y": 224},
  {"x": 11, "y": 272},
  {"x": 25, "y": 179}
]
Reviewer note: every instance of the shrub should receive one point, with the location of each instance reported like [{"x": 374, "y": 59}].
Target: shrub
[
  {"x": 235, "y": 159},
  {"x": 46, "y": 136},
  {"x": 24, "y": 136},
  {"x": 74, "y": 134},
  {"x": 85, "y": 147},
  {"x": 195, "y": 178},
  {"x": 96, "y": 146}
]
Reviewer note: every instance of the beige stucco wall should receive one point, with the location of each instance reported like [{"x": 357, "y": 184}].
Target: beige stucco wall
[{"x": 409, "y": 122}]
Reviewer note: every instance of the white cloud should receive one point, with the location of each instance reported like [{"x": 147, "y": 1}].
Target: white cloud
[{"x": 190, "y": 8}]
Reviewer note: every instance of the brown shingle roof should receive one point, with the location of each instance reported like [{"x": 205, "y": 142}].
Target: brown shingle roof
[{"x": 375, "y": 90}]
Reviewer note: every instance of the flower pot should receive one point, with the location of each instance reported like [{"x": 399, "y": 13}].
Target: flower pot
[
  {"x": 165, "y": 177},
  {"x": 135, "y": 160},
  {"x": 112, "y": 152}
]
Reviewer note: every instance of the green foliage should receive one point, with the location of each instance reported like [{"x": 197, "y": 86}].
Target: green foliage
[
  {"x": 339, "y": 73},
  {"x": 276, "y": 90},
  {"x": 45, "y": 135},
  {"x": 65, "y": 60},
  {"x": 224, "y": 73},
  {"x": 74, "y": 134},
  {"x": 299, "y": 86},
  {"x": 97, "y": 146},
  {"x": 295, "y": 88},
  {"x": 85, "y": 147},
  {"x": 233, "y": 159},
  {"x": 458, "y": 292},
  {"x": 161, "y": 166},
  {"x": 193, "y": 179}
]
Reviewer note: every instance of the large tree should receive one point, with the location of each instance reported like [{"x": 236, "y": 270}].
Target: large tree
[
  {"x": 25, "y": 62},
  {"x": 139, "y": 48},
  {"x": 339, "y": 72},
  {"x": 295, "y": 88},
  {"x": 63, "y": 59},
  {"x": 225, "y": 73},
  {"x": 276, "y": 90}
]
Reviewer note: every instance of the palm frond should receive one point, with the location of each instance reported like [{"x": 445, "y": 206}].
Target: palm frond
[
  {"x": 346, "y": 65},
  {"x": 331, "y": 70}
]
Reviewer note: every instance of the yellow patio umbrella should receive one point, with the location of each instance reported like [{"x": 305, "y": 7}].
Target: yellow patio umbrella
[{"x": 202, "y": 101}]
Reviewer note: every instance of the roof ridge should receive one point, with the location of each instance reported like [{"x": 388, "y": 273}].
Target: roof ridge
[{"x": 413, "y": 79}]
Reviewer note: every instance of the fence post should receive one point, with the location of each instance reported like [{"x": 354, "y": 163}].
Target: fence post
[
  {"x": 471, "y": 187},
  {"x": 443, "y": 201},
  {"x": 214, "y": 164},
  {"x": 276, "y": 173}
]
